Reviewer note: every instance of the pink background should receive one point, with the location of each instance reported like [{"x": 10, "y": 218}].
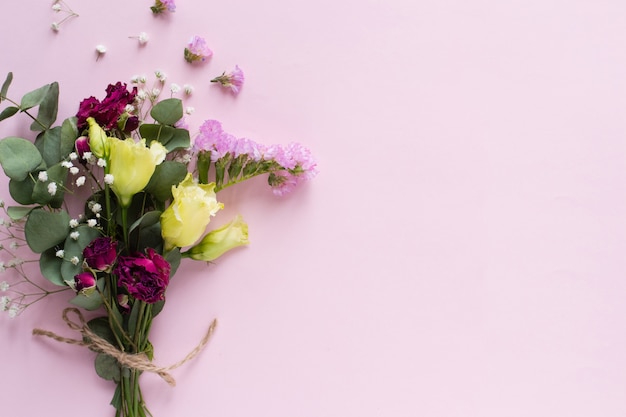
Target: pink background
[{"x": 461, "y": 252}]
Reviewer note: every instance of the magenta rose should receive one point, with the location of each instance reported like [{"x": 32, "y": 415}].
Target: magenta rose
[
  {"x": 84, "y": 281},
  {"x": 82, "y": 146},
  {"x": 100, "y": 254},
  {"x": 145, "y": 277}
]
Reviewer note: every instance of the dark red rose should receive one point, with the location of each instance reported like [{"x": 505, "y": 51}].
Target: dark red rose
[
  {"x": 145, "y": 277},
  {"x": 107, "y": 112},
  {"x": 84, "y": 281},
  {"x": 100, "y": 254}
]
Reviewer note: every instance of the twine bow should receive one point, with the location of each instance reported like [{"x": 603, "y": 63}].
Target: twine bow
[{"x": 137, "y": 361}]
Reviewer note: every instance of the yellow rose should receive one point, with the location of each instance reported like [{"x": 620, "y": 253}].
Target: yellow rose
[
  {"x": 185, "y": 220},
  {"x": 220, "y": 241},
  {"x": 132, "y": 164}
]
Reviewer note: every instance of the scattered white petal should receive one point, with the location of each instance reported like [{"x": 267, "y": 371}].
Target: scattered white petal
[
  {"x": 74, "y": 170},
  {"x": 73, "y": 223},
  {"x": 60, "y": 253},
  {"x": 102, "y": 163},
  {"x": 52, "y": 188},
  {"x": 4, "y": 286},
  {"x": 80, "y": 181},
  {"x": 74, "y": 260},
  {"x": 92, "y": 222},
  {"x": 43, "y": 176},
  {"x": 108, "y": 179},
  {"x": 74, "y": 235}
]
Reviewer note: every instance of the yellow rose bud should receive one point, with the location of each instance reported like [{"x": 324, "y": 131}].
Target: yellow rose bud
[
  {"x": 132, "y": 164},
  {"x": 220, "y": 241},
  {"x": 185, "y": 220},
  {"x": 97, "y": 139}
]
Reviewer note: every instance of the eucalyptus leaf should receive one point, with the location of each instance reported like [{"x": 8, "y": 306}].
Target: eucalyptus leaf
[
  {"x": 45, "y": 229},
  {"x": 8, "y": 112},
  {"x": 167, "y": 174},
  {"x": 167, "y": 111},
  {"x": 160, "y": 133},
  {"x": 18, "y": 212},
  {"x": 34, "y": 97},
  {"x": 88, "y": 302},
  {"x": 49, "y": 145},
  {"x": 69, "y": 134},
  {"x": 18, "y": 157},
  {"x": 5, "y": 86},
  {"x": 47, "y": 109},
  {"x": 107, "y": 367},
  {"x": 22, "y": 191},
  {"x": 50, "y": 267},
  {"x": 74, "y": 248},
  {"x": 41, "y": 195},
  {"x": 100, "y": 326}
]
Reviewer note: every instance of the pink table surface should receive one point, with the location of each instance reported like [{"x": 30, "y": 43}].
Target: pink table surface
[{"x": 461, "y": 252}]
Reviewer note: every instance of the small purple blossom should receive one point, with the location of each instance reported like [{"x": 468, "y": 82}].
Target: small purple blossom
[
  {"x": 161, "y": 6},
  {"x": 145, "y": 277},
  {"x": 197, "y": 50},
  {"x": 233, "y": 80}
]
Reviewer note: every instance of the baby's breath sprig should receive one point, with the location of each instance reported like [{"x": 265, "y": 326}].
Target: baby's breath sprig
[
  {"x": 17, "y": 291},
  {"x": 59, "y": 6}
]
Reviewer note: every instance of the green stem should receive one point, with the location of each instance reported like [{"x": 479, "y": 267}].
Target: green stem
[{"x": 125, "y": 228}]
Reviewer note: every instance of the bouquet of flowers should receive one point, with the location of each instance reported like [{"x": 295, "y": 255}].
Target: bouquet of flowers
[{"x": 112, "y": 199}]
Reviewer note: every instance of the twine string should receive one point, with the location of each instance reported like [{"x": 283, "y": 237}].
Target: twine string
[{"x": 137, "y": 361}]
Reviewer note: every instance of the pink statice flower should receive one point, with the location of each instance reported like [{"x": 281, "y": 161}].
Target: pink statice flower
[
  {"x": 233, "y": 80},
  {"x": 197, "y": 50},
  {"x": 161, "y": 6}
]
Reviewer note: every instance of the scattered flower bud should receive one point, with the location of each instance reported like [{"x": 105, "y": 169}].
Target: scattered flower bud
[
  {"x": 197, "y": 50},
  {"x": 233, "y": 80}
]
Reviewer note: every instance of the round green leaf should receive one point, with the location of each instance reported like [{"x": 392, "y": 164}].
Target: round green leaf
[
  {"x": 107, "y": 367},
  {"x": 74, "y": 248},
  {"x": 167, "y": 111},
  {"x": 44, "y": 229},
  {"x": 50, "y": 266},
  {"x": 18, "y": 157}
]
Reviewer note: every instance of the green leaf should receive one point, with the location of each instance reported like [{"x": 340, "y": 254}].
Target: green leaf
[
  {"x": 49, "y": 145},
  {"x": 88, "y": 302},
  {"x": 173, "y": 257},
  {"x": 157, "y": 307},
  {"x": 22, "y": 191},
  {"x": 100, "y": 326},
  {"x": 8, "y": 112},
  {"x": 75, "y": 248},
  {"x": 34, "y": 97},
  {"x": 147, "y": 220},
  {"x": 167, "y": 174},
  {"x": 168, "y": 111},
  {"x": 58, "y": 174},
  {"x": 69, "y": 134},
  {"x": 47, "y": 109},
  {"x": 18, "y": 212},
  {"x": 170, "y": 137},
  {"x": 18, "y": 157},
  {"x": 107, "y": 367},
  {"x": 180, "y": 140},
  {"x": 50, "y": 267},
  {"x": 5, "y": 86},
  {"x": 44, "y": 229}
]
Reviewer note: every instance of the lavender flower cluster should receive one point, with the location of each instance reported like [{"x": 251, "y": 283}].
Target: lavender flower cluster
[{"x": 287, "y": 165}]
